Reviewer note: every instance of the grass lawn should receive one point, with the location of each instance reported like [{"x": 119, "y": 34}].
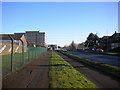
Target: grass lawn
[{"x": 63, "y": 75}]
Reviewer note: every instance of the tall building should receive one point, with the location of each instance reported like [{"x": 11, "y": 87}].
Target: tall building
[
  {"x": 35, "y": 37},
  {"x": 42, "y": 38}
]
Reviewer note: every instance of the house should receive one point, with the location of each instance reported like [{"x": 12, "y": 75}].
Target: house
[
  {"x": 103, "y": 42},
  {"x": 114, "y": 40},
  {"x": 110, "y": 42}
]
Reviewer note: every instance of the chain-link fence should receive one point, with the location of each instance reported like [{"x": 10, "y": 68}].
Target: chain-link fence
[{"x": 15, "y": 61}]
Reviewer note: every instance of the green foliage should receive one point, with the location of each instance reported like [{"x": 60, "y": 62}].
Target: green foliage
[
  {"x": 73, "y": 46},
  {"x": 109, "y": 69},
  {"x": 63, "y": 75},
  {"x": 92, "y": 40}
]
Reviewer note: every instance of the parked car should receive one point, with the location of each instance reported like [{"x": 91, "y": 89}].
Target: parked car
[
  {"x": 94, "y": 49},
  {"x": 100, "y": 50},
  {"x": 64, "y": 50}
]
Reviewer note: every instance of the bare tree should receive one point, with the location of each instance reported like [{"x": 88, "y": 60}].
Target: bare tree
[{"x": 73, "y": 46}]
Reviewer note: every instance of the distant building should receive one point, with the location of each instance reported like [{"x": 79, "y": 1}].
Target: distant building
[
  {"x": 42, "y": 38},
  {"x": 110, "y": 42},
  {"x": 114, "y": 40},
  {"x": 34, "y": 37},
  {"x": 81, "y": 46},
  {"x": 103, "y": 42},
  {"x": 52, "y": 47}
]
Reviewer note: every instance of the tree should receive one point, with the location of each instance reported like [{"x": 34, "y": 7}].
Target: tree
[
  {"x": 92, "y": 40},
  {"x": 59, "y": 47},
  {"x": 65, "y": 47},
  {"x": 73, "y": 46}
]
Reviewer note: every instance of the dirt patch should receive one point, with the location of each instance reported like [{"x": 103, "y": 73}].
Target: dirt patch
[
  {"x": 100, "y": 79},
  {"x": 33, "y": 75}
]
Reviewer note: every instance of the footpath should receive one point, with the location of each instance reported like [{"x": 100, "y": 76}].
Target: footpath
[{"x": 33, "y": 75}]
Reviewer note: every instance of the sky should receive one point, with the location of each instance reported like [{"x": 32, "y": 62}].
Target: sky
[{"x": 63, "y": 22}]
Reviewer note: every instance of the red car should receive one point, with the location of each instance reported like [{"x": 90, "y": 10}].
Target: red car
[{"x": 100, "y": 50}]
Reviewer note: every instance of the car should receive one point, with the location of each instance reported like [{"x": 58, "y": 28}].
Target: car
[
  {"x": 100, "y": 50},
  {"x": 64, "y": 50},
  {"x": 93, "y": 49}
]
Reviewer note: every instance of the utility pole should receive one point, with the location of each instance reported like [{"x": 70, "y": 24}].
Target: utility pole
[{"x": 96, "y": 41}]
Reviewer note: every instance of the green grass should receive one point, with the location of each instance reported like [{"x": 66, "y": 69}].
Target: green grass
[
  {"x": 104, "y": 53},
  {"x": 109, "y": 69},
  {"x": 63, "y": 75},
  {"x": 113, "y": 54}
]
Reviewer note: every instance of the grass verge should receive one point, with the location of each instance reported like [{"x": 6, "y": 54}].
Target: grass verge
[
  {"x": 109, "y": 69},
  {"x": 63, "y": 75},
  {"x": 104, "y": 53}
]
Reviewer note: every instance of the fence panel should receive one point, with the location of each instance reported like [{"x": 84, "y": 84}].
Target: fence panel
[
  {"x": 6, "y": 57},
  {"x": 17, "y": 61},
  {"x": 20, "y": 58},
  {"x": 6, "y": 64}
]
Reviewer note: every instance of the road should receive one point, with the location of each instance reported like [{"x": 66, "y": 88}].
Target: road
[{"x": 107, "y": 59}]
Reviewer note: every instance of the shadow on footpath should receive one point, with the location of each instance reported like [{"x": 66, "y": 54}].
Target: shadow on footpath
[{"x": 52, "y": 65}]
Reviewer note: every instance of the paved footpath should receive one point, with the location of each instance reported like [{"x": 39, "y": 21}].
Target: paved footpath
[{"x": 33, "y": 75}]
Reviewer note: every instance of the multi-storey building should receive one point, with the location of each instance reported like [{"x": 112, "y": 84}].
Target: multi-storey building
[
  {"x": 42, "y": 38},
  {"x": 34, "y": 37}
]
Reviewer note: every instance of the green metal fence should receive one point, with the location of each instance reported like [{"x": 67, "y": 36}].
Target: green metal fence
[{"x": 20, "y": 59}]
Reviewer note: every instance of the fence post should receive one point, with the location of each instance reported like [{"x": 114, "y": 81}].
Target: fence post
[
  {"x": 22, "y": 52},
  {"x": 12, "y": 63},
  {"x": 28, "y": 54}
]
